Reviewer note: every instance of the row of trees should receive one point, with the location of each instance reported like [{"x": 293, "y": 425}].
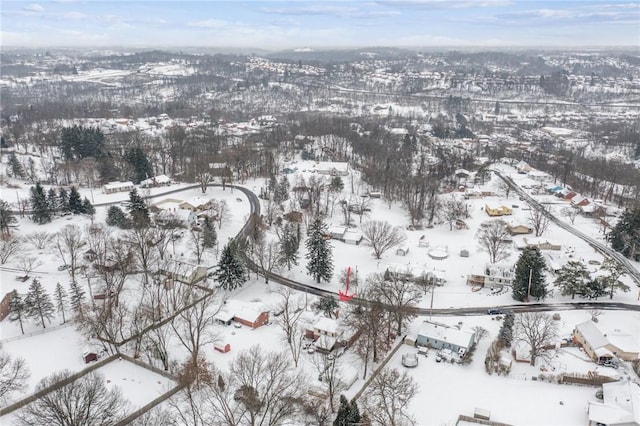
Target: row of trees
[
  {"x": 572, "y": 279},
  {"x": 45, "y": 206},
  {"x": 38, "y": 305}
]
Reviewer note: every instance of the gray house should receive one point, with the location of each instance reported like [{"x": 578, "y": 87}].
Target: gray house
[{"x": 441, "y": 336}]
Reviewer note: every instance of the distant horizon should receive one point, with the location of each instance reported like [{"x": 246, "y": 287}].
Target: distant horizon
[
  {"x": 278, "y": 25},
  {"x": 229, "y": 49}
]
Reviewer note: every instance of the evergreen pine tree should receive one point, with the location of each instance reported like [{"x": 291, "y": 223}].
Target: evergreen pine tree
[
  {"x": 625, "y": 235},
  {"x": 281, "y": 193},
  {"x": 77, "y": 296},
  {"x": 572, "y": 278},
  {"x": 61, "y": 300},
  {"x": 272, "y": 186},
  {"x": 15, "y": 166},
  {"x": 52, "y": 201},
  {"x": 63, "y": 200},
  {"x": 87, "y": 208},
  {"x": 17, "y": 310},
  {"x": 40, "y": 212},
  {"x": 116, "y": 217},
  {"x": 75, "y": 202},
  {"x": 289, "y": 245},
  {"x": 343, "y": 412},
  {"x": 138, "y": 210},
  {"x": 7, "y": 219},
  {"x": 611, "y": 280},
  {"x": 595, "y": 288},
  {"x": 319, "y": 256},
  {"x": 230, "y": 273},
  {"x": 38, "y": 303},
  {"x": 348, "y": 413},
  {"x": 209, "y": 233},
  {"x": 354, "y": 415},
  {"x": 530, "y": 279},
  {"x": 137, "y": 158}
]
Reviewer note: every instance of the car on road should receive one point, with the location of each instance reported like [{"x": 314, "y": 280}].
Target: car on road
[
  {"x": 63, "y": 267},
  {"x": 494, "y": 311}
]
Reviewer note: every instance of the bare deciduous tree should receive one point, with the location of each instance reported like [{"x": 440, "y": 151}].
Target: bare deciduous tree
[
  {"x": 289, "y": 320},
  {"x": 536, "y": 329},
  {"x": 9, "y": 247},
  {"x": 68, "y": 243},
  {"x": 204, "y": 179},
  {"x": 381, "y": 236},
  {"x": 27, "y": 264},
  {"x": 493, "y": 237},
  {"x": 539, "y": 221},
  {"x": 266, "y": 254},
  {"x": 13, "y": 375},
  {"x": 453, "y": 210},
  {"x": 570, "y": 213},
  {"x": 329, "y": 371},
  {"x": 266, "y": 386},
  {"x": 39, "y": 240},
  {"x": 399, "y": 294},
  {"x": 388, "y": 397},
  {"x": 86, "y": 401},
  {"x": 190, "y": 325},
  {"x": 224, "y": 213}
]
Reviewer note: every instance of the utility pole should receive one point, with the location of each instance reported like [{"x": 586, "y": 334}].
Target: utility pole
[{"x": 529, "y": 286}]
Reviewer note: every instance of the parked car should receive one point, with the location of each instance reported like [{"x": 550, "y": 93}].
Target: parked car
[{"x": 63, "y": 267}]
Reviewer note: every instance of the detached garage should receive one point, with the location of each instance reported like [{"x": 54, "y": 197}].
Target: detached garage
[{"x": 251, "y": 314}]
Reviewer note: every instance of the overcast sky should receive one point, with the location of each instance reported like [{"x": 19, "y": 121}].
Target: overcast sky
[{"x": 297, "y": 24}]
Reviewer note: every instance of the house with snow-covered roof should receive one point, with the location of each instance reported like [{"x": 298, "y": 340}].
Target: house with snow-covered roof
[
  {"x": 156, "y": 181},
  {"x": 251, "y": 314},
  {"x": 620, "y": 405},
  {"x": 117, "y": 186},
  {"x": 603, "y": 347},
  {"x": 442, "y": 336},
  {"x": 332, "y": 168},
  {"x": 494, "y": 209}
]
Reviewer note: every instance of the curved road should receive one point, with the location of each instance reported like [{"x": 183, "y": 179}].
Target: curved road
[
  {"x": 532, "y": 307},
  {"x": 623, "y": 261}
]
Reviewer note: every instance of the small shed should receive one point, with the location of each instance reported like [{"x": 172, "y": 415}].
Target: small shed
[
  {"x": 222, "y": 347},
  {"x": 402, "y": 251},
  {"x": 89, "y": 355}
]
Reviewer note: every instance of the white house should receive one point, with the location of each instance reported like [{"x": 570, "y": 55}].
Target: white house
[
  {"x": 117, "y": 186},
  {"x": 620, "y": 405},
  {"x": 152, "y": 182},
  {"x": 442, "y": 336},
  {"x": 182, "y": 217},
  {"x": 332, "y": 168}
]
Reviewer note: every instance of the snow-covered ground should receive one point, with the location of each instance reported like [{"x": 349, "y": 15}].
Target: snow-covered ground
[{"x": 448, "y": 390}]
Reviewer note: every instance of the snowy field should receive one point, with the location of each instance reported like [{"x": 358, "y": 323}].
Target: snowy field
[
  {"x": 138, "y": 385},
  {"x": 48, "y": 352}
]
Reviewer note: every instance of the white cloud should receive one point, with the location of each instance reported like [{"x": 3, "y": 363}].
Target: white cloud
[
  {"x": 209, "y": 23},
  {"x": 74, "y": 16},
  {"x": 34, "y": 8},
  {"x": 447, "y": 4}
]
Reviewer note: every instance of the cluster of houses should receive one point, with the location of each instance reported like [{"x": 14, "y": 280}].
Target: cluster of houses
[
  {"x": 590, "y": 208},
  {"x": 184, "y": 213},
  {"x": 152, "y": 182}
]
